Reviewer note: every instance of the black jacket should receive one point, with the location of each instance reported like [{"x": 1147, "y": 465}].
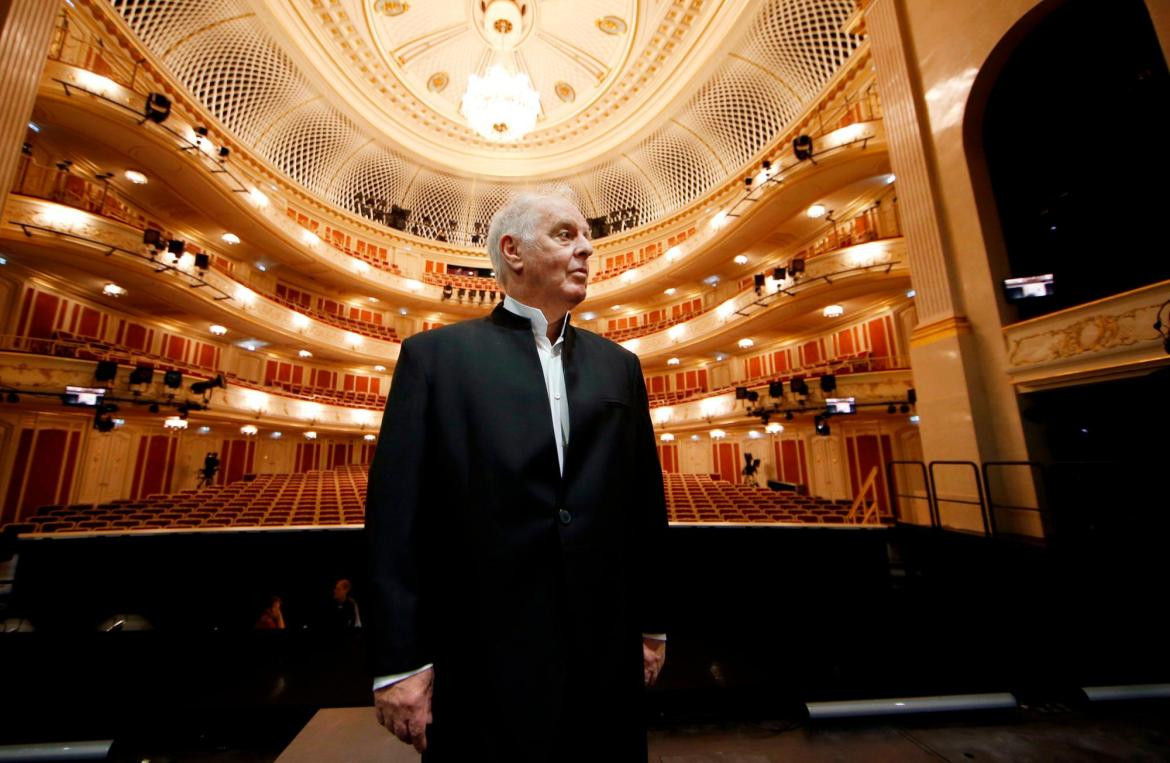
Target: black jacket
[{"x": 528, "y": 590}]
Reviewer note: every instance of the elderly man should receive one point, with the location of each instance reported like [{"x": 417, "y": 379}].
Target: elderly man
[{"x": 515, "y": 521}]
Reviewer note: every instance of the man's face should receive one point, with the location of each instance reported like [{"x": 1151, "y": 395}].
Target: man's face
[{"x": 556, "y": 264}]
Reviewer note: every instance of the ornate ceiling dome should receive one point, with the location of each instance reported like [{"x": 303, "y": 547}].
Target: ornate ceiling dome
[{"x": 644, "y": 105}]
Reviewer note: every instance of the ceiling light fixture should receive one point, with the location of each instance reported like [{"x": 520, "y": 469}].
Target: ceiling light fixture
[
  {"x": 230, "y": 238},
  {"x": 816, "y": 211},
  {"x": 833, "y": 311},
  {"x": 500, "y": 106},
  {"x": 740, "y": 259},
  {"x": 135, "y": 177},
  {"x": 113, "y": 290},
  {"x": 217, "y": 329}
]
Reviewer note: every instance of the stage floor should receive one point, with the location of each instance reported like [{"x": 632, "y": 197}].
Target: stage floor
[{"x": 1138, "y": 732}]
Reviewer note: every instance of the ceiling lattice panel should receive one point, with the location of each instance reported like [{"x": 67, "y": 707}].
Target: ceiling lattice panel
[{"x": 232, "y": 64}]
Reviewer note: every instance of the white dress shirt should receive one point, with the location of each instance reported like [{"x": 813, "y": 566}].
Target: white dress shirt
[{"x": 558, "y": 403}]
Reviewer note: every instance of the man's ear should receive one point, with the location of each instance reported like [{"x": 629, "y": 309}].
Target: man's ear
[{"x": 510, "y": 253}]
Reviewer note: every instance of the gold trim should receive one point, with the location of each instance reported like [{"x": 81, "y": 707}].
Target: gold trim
[
  {"x": 1069, "y": 312},
  {"x": 767, "y": 71},
  {"x": 182, "y": 40},
  {"x": 930, "y": 333},
  {"x": 714, "y": 153}
]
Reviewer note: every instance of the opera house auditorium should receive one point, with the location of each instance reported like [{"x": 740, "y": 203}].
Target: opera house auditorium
[{"x": 908, "y": 368}]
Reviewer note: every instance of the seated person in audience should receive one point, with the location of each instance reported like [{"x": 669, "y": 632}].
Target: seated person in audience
[
  {"x": 272, "y": 618},
  {"x": 343, "y": 610}
]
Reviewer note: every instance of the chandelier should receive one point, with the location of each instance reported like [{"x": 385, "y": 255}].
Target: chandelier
[{"x": 501, "y": 106}]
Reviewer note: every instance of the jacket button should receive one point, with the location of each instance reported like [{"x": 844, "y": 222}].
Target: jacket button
[{"x": 564, "y": 516}]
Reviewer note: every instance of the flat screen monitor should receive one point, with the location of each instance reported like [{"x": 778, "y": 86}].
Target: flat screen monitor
[
  {"x": 839, "y": 405},
  {"x": 1028, "y": 287},
  {"x": 83, "y": 395}
]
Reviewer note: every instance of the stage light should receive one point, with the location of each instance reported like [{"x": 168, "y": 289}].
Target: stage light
[
  {"x": 822, "y": 426},
  {"x": 176, "y": 248},
  {"x": 153, "y": 238},
  {"x": 173, "y": 379},
  {"x": 741, "y": 393},
  {"x": 903, "y": 408},
  {"x": 224, "y": 153},
  {"x": 779, "y": 273},
  {"x": 106, "y": 370},
  {"x": 142, "y": 375},
  {"x": 802, "y": 147},
  {"x": 158, "y": 107},
  {"x": 202, "y": 261},
  {"x": 798, "y": 386},
  {"x": 203, "y": 387},
  {"x": 891, "y": 408},
  {"x": 12, "y": 397},
  {"x": 776, "y": 389},
  {"x": 788, "y": 416},
  {"x": 828, "y": 383},
  {"x": 911, "y": 396},
  {"x": 747, "y": 182},
  {"x": 796, "y": 266},
  {"x": 758, "y": 280}
]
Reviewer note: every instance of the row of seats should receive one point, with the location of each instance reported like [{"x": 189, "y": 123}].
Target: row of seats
[
  {"x": 621, "y": 335},
  {"x": 337, "y": 497},
  {"x": 372, "y": 330},
  {"x": 348, "y": 398}
]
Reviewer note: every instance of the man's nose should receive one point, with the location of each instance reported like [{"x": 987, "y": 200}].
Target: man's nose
[{"x": 584, "y": 247}]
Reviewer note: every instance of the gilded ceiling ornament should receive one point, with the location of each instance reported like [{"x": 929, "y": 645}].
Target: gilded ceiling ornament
[
  {"x": 611, "y": 25},
  {"x": 565, "y": 92},
  {"x": 437, "y": 82},
  {"x": 503, "y": 26},
  {"x": 391, "y": 7}
]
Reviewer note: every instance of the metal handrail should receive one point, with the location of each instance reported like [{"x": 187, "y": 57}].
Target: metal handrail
[
  {"x": 988, "y": 522},
  {"x": 1041, "y": 508},
  {"x": 891, "y": 482}
]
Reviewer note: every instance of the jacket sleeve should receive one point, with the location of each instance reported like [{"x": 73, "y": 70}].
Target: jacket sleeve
[
  {"x": 650, "y": 502},
  {"x": 395, "y": 524}
]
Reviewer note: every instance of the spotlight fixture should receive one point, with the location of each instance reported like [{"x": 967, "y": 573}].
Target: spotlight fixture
[
  {"x": 828, "y": 383},
  {"x": 796, "y": 266},
  {"x": 911, "y": 396},
  {"x": 779, "y": 273},
  {"x": 12, "y": 397},
  {"x": 741, "y": 393},
  {"x": 891, "y": 408},
  {"x": 776, "y": 389},
  {"x": 203, "y": 387},
  {"x": 903, "y": 408},
  {"x": 224, "y": 153},
  {"x": 822, "y": 425},
  {"x": 798, "y": 386},
  {"x": 153, "y": 408},
  {"x": 203, "y": 261},
  {"x": 142, "y": 375},
  {"x": 802, "y": 147},
  {"x": 201, "y": 131},
  {"x": 153, "y": 238},
  {"x": 758, "y": 281},
  {"x": 173, "y": 379},
  {"x": 106, "y": 370},
  {"x": 747, "y": 182},
  {"x": 788, "y": 416},
  {"x": 767, "y": 165},
  {"x": 158, "y": 108},
  {"x": 176, "y": 248}
]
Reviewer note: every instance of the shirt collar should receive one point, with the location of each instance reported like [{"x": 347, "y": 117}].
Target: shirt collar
[{"x": 535, "y": 316}]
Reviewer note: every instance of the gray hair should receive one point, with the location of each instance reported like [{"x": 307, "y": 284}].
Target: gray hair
[{"x": 518, "y": 218}]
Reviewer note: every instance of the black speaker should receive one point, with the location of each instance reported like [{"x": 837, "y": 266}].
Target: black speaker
[
  {"x": 828, "y": 383},
  {"x": 741, "y": 393},
  {"x": 158, "y": 108},
  {"x": 759, "y": 280},
  {"x": 203, "y": 261},
  {"x": 153, "y": 238},
  {"x": 106, "y": 370},
  {"x": 176, "y": 247},
  {"x": 779, "y": 273},
  {"x": 802, "y": 147},
  {"x": 173, "y": 379},
  {"x": 776, "y": 389},
  {"x": 798, "y": 386}
]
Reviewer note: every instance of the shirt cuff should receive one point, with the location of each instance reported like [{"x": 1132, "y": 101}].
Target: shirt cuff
[
  {"x": 381, "y": 682},
  {"x": 655, "y": 636}
]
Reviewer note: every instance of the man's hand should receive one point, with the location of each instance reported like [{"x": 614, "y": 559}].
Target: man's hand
[
  {"x": 653, "y": 657},
  {"x": 405, "y": 708}
]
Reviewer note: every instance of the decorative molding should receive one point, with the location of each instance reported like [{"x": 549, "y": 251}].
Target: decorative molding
[{"x": 928, "y": 333}]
